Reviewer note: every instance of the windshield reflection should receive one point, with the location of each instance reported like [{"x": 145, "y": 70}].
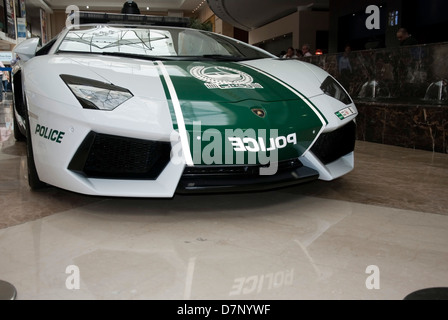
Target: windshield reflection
[{"x": 156, "y": 42}]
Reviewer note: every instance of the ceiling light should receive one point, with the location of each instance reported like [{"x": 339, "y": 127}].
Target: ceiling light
[{"x": 199, "y": 6}]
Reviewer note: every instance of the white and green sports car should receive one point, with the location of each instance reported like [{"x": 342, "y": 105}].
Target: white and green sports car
[{"x": 150, "y": 111}]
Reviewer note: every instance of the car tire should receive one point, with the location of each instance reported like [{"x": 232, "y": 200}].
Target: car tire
[
  {"x": 18, "y": 135},
  {"x": 33, "y": 177}
]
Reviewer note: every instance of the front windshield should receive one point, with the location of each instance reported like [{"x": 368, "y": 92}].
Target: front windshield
[{"x": 156, "y": 42}]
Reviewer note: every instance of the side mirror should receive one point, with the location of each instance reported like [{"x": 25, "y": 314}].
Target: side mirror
[{"x": 26, "y": 49}]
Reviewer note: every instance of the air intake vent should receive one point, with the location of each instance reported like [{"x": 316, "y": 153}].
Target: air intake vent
[
  {"x": 334, "y": 145},
  {"x": 111, "y": 157}
]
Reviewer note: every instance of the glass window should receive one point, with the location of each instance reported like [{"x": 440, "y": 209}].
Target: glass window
[{"x": 156, "y": 42}]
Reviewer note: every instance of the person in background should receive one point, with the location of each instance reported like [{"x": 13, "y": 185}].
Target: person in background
[
  {"x": 405, "y": 38},
  {"x": 5, "y": 81},
  {"x": 15, "y": 61},
  {"x": 345, "y": 67},
  {"x": 306, "y": 50},
  {"x": 290, "y": 54},
  {"x": 299, "y": 53},
  {"x": 3, "y": 76}
]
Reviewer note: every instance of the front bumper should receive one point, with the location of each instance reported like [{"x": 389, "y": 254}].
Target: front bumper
[
  {"x": 331, "y": 157},
  {"x": 120, "y": 161},
  {"x": 83, "y": 172},
  {"x": 214, "y": 179}
]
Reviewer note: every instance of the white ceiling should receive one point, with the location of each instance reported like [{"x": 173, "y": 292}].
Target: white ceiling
[{"x": 114, "y": 5}]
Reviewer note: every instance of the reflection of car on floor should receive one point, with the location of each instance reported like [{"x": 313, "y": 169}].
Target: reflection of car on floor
[{"x": 148, "y": 110}]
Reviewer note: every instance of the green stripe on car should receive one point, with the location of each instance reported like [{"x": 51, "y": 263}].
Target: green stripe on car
[{"x": 236, "y": 115}]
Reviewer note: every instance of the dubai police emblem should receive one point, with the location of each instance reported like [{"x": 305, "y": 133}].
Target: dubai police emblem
[{"x": 224, "y": 78}]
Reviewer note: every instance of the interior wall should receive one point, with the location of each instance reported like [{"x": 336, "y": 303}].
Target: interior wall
[
  {"x": 224, "y": 28},
  {"x": 58, "y": 20},
  {"x": 205, "y": 14},
  {"x": 309, "y": 24},
  {"x": 220, "y": 26},
  {"x": 303, "y": 25},
  {"x": 278, "y": 45},
  {"x": 279, "y": 28}
]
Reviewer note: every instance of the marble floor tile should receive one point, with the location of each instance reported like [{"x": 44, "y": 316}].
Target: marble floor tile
[
  {"x": 240, "y": 247},
  {"x": 384, "y": 224}
]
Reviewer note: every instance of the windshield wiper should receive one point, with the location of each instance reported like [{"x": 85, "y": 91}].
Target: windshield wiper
[
  {"x": 122, "y": 54},
  {"x": 205, "y": 57},
  {"x": 139, "y": 56},
  {"x": 222, "y": 57}
]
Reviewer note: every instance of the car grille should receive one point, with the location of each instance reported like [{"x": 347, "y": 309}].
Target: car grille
[
  {"x": 236, "y": 170},
  {"x": 334, "y": 145},
  {"x": 244, "y": 178},
  {"x": 111, "y": 157}
]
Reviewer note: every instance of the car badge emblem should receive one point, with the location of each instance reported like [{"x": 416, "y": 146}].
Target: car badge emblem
[
  {"x": 259, "y": 112},
  {"x": 219, "y": 77}
]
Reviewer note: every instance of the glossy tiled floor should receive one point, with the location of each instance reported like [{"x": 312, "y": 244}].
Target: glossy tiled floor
[{"x": 384, "y": 224}]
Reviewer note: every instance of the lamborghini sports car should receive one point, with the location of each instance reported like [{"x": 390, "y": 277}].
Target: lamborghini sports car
[{"x": 151, "y": 110}]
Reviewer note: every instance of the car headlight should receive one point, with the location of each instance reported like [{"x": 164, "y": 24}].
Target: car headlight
[
  {"x": 96, "y": 95},
  {"x": 332, "y": 88}
]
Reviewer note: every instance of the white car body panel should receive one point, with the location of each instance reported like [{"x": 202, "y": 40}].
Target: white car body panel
[
  {"x": 154, "y": 121},
  {"x": 330, "y": 171}
]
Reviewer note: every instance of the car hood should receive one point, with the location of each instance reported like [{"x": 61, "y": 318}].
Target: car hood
[
  {"x": 226, "y": 99},
  {"x": 221, "y": 79},
  {"x": 236, "y": 100}
]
